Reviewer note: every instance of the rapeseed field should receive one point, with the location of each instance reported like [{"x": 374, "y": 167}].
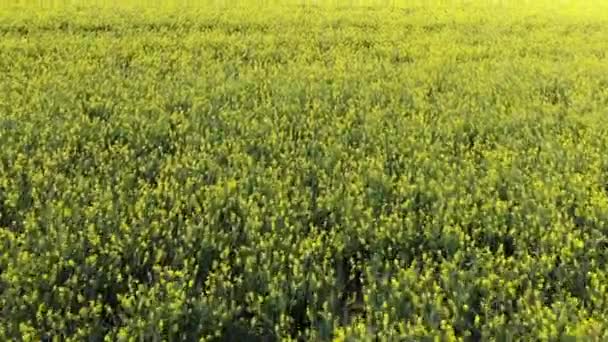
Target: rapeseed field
[{"x": 304, "y": 170}]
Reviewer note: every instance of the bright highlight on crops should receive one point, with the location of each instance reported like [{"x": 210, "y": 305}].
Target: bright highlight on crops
[{"x": 304, "y": 171}]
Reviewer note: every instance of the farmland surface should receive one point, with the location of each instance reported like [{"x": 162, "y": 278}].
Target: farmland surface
[{"x": 392, "y": 172}]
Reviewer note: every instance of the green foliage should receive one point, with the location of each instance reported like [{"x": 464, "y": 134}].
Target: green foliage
[{"x": 304, "y": 173}]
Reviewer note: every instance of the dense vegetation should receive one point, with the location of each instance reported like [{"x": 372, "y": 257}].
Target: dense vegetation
[{"x": 314, "y": 173}]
